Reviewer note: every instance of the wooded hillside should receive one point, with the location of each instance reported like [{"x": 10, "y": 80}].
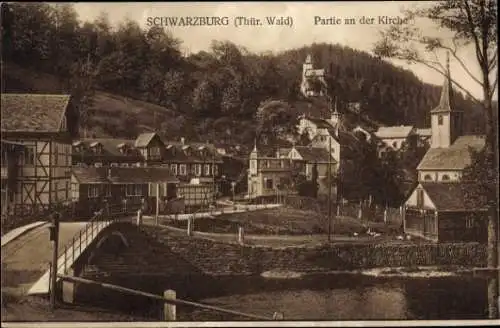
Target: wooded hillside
[{"x": 127, "y": 80}]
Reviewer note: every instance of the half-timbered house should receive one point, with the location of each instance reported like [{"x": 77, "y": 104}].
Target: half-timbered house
[{"x": 44, "y": 124}]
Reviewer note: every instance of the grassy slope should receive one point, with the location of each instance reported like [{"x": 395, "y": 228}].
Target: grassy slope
[{"x": 109, "y": 110}]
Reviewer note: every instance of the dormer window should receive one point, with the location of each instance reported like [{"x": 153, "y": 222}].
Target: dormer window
[
  {"x": 96, "y": 147},
  {"x": 77, "y": 146},
  {"x": 123, "y": 147}
]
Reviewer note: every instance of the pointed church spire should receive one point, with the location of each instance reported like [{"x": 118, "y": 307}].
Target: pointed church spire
[{"x": 445, "y": 102}]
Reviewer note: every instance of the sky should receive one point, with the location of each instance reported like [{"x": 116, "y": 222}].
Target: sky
[{"x": 275, "y": 38}]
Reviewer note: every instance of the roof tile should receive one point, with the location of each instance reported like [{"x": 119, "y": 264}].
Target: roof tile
[{"x": 33, "y": 112}]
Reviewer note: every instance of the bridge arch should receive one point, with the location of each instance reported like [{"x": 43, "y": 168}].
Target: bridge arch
[{"x": 107, "y": 237}]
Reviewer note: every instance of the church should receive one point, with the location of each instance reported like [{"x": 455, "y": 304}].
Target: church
[{"x": 436, "y": 210}]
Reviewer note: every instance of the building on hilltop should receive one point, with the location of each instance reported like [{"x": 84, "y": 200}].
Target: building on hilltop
[
  {"x": 436, "y": 208},
  {"x": 37, "y": 130},
  {"x": 313, "y": 79}
]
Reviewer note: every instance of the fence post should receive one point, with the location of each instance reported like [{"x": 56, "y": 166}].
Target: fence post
[
  {"x": 241, "y": 236},
  {"x": 139, "y": 217},
  {"x": 189, "y": 226},
  {"x": 169, "y": 310}
]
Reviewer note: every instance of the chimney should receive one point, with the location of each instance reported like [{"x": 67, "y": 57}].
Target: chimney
[{"x": 183, "y": 140}]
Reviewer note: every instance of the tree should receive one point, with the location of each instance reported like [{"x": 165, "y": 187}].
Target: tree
[
  {"x": 314, "y": 181},
  {"x": 274, "y": 121},
  {"x": 472, "y": 24}
]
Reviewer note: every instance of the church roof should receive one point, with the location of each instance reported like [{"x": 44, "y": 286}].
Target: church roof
[
  {"x": 455, "y": 157},
  {"x": 388, "y": 132},
  {"x": 445, "y": 196}
]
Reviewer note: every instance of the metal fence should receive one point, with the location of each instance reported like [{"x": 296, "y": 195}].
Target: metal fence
[{"x": 85, "y": 236}]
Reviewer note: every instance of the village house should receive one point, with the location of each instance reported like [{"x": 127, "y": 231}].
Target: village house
[
  {"x": 436, "y": 209},
  {"x": 37, "y": 130},
  {"x": 120, "y": 188},
  {"x": 197, "y": 166},
  {"x": 395, "y": 137},
  {"x": 307, "y": 158},
  {"x": 311, "y": 77},
  {"x": 268, "y": 175},
  {"x": 188, "y": 161}
]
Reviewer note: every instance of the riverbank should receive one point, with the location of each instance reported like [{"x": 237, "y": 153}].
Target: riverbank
[{"x": 216, "y": 257}]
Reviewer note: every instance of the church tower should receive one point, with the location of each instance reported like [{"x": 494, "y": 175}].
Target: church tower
[
  {"x": 253, "y": 160},
  {"x": 335, "y": 117},
  {"x": 446, "y": 120}
]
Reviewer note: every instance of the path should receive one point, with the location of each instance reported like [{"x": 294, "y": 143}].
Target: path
[
  {"x": 282, "y": 240},
  {"x": 26, "y": 258}
]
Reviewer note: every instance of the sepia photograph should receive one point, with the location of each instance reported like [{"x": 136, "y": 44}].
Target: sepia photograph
[{"x": 242, "y": 164}]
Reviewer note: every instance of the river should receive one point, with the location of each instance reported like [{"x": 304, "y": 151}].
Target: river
[{"x": 316, "y": 297}]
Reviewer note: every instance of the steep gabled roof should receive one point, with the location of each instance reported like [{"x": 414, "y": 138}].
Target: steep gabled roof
[
  {"x": 423, "y": 132},
  {"x": 144, "y": 139},
  {"x": 33, "y": 112},
  {"x": 313, "y": 154},
  {"x": 123, "y": 175},
  {"x": 388, "y": 132},
  {"x": 456, "y": 157},
  {"x": 110, "y": 148}
]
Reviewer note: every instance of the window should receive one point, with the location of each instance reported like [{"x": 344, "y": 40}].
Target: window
[
  {"x": 420, "y": 198},
  {"x": 445, "y": 177},
  {"x": 207, "y": 169},
  {"x": 428, "y": 177},
  {"x": 197, "y": 169},
  {"x": 107, "y": 190},
  {"x": 173, "y": 169},
  {"x": 154, "y": 152},
  {"x": 93, "y": 191},
  {"x": 28, "y": 157},
  {"x": 440, "y": 120},
  {"x": 134, "y": 190},
  {"x": 215, "y": 169},
  {"x": 56, "y": 154},
  {"x": 269, "y": 184},
  {"x": 469, "y": 223},
  {"x": 182, "y": 169},
  {"x": 56, "y": 189}
]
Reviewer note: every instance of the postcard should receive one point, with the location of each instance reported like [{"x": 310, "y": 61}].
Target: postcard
[{"x": 238, "y": 164}]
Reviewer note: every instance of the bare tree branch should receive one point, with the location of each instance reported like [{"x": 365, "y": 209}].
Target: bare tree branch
[
  {"x": 462, "y": 64},
  {"x": 473, "y": 33}
]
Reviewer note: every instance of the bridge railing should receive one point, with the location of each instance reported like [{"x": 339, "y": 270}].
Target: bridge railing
[{"x": 84, "y": 236}]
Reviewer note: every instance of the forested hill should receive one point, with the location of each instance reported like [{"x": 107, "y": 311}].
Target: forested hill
[{"x": 213, "y": 93}]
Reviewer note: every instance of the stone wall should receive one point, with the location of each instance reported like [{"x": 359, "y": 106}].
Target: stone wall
[{"x": 220, "y": 258}]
